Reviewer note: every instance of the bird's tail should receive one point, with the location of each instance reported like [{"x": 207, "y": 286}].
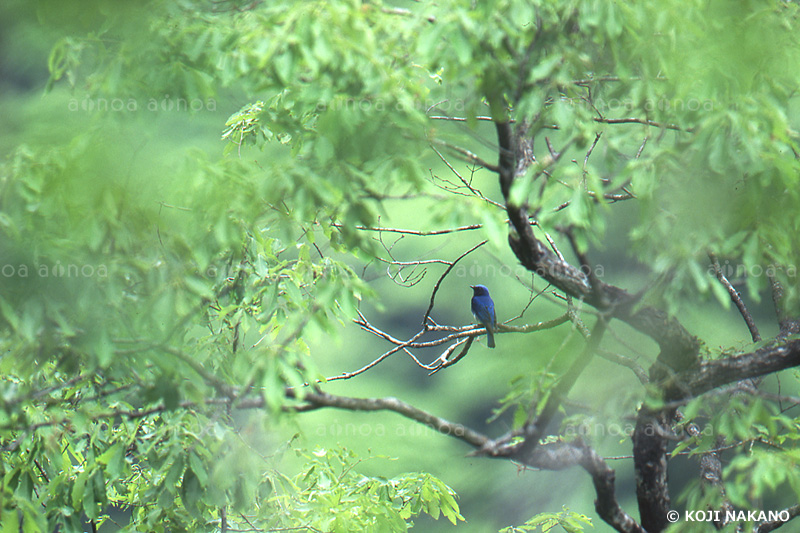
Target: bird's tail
[{"x": 490, "y": 335}]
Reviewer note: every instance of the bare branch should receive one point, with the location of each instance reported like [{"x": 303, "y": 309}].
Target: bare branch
[
  {"x": 417, "y": 232},
  {"x": 620, "y": 359},
  {"x": 399, "y": 345},
  {"x": 459, "y": 119},
  {"x": 444, "y": 275},
  {"x": 415, "y": 263},
  {"x": 561, "y": 455},
  {"x": 458, "y": 336},
  {"x": 712, "y": 374},
  {"x": 641, "y": 148},
  {"x": 642, "y": 121},
  {"x": 736, "y": 298},
  {"x": 466, "y": 183},
  {"x": 606, "y": 503},
  {"x": 443, "y": 360},
  {"x": 588, "y": 155},
  {"x": 602, "y": 120},
  {"x": 679, "y": 349},
  {"x": 767, "y": 526},
  {"x": 317, "y": 400},
  {"x": 468, "y": 156},
  {"x": 555, "y": 456}
]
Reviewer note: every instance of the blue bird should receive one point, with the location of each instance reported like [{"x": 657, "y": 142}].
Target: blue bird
[{"x": 483, "y": 310}]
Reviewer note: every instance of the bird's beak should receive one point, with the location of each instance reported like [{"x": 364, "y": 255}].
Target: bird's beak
[{"x": 472, "y": 286}]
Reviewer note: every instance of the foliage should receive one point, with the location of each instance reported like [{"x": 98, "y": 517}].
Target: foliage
[
  {"x": 566, "y": 520},
  {"x": 330, "y": 495},
  {"x": 174, "y": 479}
]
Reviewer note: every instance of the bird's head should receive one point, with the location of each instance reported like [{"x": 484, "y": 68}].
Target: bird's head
[{"x": 479, "y": 290}]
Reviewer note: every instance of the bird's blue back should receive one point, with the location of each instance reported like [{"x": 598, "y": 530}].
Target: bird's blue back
[{"x": 483, "y": 306}]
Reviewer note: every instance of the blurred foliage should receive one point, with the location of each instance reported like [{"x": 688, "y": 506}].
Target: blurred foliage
[
  {"x": 137, "y": 304},
  {"x": 566, "y": 520}
]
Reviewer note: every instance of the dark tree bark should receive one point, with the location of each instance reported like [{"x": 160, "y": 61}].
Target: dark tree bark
[{"x": 677, "y": 373}]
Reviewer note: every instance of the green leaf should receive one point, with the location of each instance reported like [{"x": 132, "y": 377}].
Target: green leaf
[
  {"x": 8, "y": 313},
  {"x": 174, "y": 473},
  {"x": 198, "y": 468},
  {"x": 115, "y": 462},
  {"x": 79, "y": 489},
  {"x": 199, "y": 287},
  {"x": 191, "y": 492},
  {"x": 544, "y": 68},
  {"x": 324, "y": 150}
]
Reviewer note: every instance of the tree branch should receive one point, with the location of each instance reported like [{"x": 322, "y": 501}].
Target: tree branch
[
  {"x": 441, "y": 278},
  {"x": 416, "y": 232},
  {"x": 554, "y": 456},
  {"x": 736, "y": 298},
  {"x": 788, "y": 325},
  {"x": 766, "y": 527},
  {"x": 316, "y": 400},
  {"x": 561, "y": 455},
  {"x": 622, "y": 360},
  {"x": 469, "y": 156},
  {"x": 712, "y": 374},
  {"x": 650, "y": 466},
  {"x": 606, "y": 503},
  {"x": 457, "y": 335},
  {"x": 711, "y": 471},
  {"x": 679, "y": 350},
  {"x": 645, "y": 122},
  {"x": 536, "y": 424}
]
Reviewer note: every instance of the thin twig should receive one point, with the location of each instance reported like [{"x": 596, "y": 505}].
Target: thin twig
[
  {"x": 589, "y": 152},
  {"x": 444, "y": 275},
  {"x": 467, "y": 184},
  {"x": 646, "y": 122},
  {"x": 641, "y": 148},
  {"x": 469, "y": 156},
  {"x": 736, "y": 298},
  {"x": 416, "y": 232},
  {"x": 636, "y": 368}
]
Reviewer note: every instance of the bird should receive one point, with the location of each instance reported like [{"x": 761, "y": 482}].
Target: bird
[{"x": 483, "y": 310}]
